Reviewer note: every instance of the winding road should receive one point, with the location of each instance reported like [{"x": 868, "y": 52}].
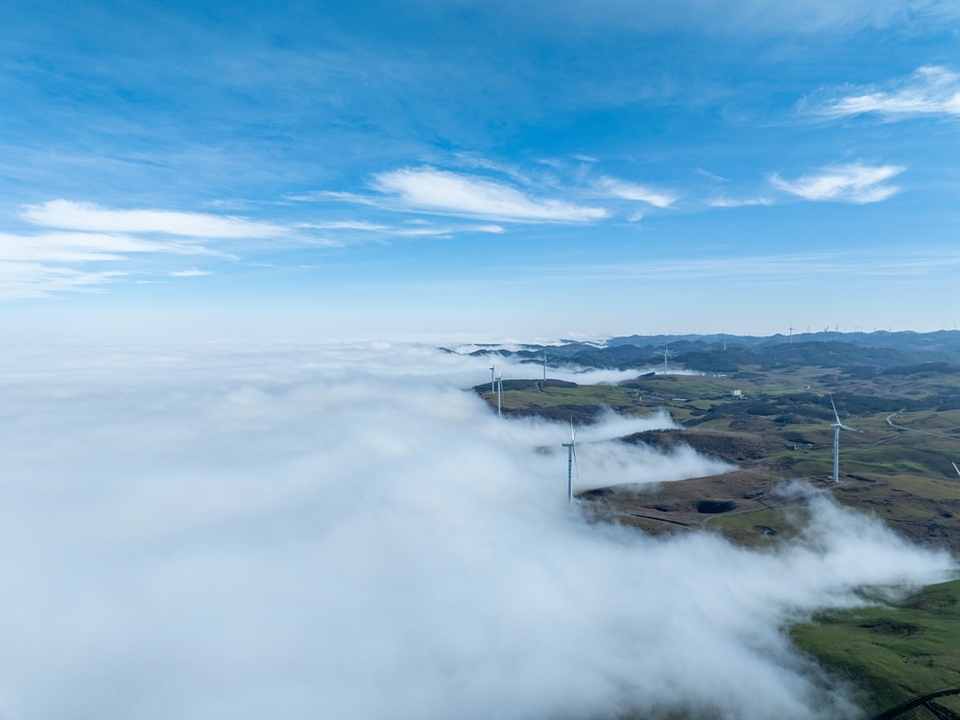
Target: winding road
[
  {"x": 917, "y": 702},
  {"x": 921, "y": 432}
]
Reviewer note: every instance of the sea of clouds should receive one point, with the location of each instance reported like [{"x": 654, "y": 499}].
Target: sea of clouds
[{"x": 341, "y": 531}]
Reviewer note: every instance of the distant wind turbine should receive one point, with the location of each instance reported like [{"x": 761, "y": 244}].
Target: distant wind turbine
[
  {"x": 499, "y": 395},
  {"x": 571, "y": 461},
  {"x": 544, "y": 364},
  {"x": 837, "y": 427},
  {"x": 493, "y": 388},
  {"x": 790, "y": 336},
  {"x": 666, "y": 354}
]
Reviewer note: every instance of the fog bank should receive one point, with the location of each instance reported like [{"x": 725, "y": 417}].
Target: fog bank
[{"x": 344, "y": 532}]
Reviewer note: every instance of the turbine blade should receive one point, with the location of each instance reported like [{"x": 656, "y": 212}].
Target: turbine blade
[
  {"x": 834, "y": 410},
  {"x": 956, "y": 468},
  {"x": 847, "y": 427},
  {"x": 576, "y": 468}
]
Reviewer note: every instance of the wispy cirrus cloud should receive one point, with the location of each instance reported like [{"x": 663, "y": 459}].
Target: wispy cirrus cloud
[
  {"x": 86, "y": 216},
  {"x": 79, "y": 238},
  {"x": 72, "y": 247},
  {"x": 75, "y": 240},
  {"x": 361, "y": 225},
  {"x": 428, "y": 189},
  {"x": 46, "y": 263},
  {"x": 931, "y": 90},
  {"x": 852, "y": 183},
  {"x": 917, "y": 263},
  {"x": 624, "y": 190},
  {"x": 25, "y": 279},
  {"x": 410, "y": 230},
  {"x": 725, "y": 202}
]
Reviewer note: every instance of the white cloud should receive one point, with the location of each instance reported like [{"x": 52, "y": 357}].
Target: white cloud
[
  {"x": 421, "y": 228},
  {"x": 85, "y": 247},
  {"x": 710, "y": 175},
  {"x": 38, "y": 265},
  {"x": 930, "y": 90},
  {"x": 87, "y": 216},
  {"x": 36, "y": 279},
  {"x": 242, "y": 530},
  {"x": 631, "y": 191},
  {"x": 345, "y": 225},
  {"x": 192, "y": 272},
  {"x": 853, "y": 183},
  {"x": 725, "y": 202},
  {"x": 427, "y": 189}
]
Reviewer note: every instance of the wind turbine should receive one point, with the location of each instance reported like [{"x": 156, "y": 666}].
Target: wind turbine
[
  {"x": 571, "y": 461},
  {"x": 500, "y": 394},
  {"x": 837, "y": 427},
  {"x": 790, "y": 336},
  {"x": 666, "y": 354},
  {"x": 493, "y": 388},
  {"x": 544, "y": 364}
]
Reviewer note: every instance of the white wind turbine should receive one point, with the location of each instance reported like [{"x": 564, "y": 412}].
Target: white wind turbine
[
  {"x": 571, "y": 461},
  {"x": 837, "y": 427},
  {"x": 666, "y": 354},
  {"x": 493, "y": 387},
  {"x": 544, "y": 364},
  {"x": 500, "y": 394}
]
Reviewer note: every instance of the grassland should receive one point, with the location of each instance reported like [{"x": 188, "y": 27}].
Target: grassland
[
  {"x": 898, "y": 468},
  {"x": 893, "y": 652}
]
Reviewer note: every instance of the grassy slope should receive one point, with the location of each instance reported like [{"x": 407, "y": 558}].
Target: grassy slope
[{"x": 893, "y": 652}]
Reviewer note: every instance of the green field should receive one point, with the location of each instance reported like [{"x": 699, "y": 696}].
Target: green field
[{"x": 893, "y": 652}]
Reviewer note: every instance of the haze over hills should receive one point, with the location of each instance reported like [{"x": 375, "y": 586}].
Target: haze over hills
[{"x": 880, "y": 351}]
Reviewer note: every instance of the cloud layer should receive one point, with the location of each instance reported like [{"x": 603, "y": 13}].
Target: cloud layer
[{"x": 341, "y": 531}]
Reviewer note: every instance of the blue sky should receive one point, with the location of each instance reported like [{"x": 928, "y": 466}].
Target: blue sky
[{"x": 524, "y": 170}]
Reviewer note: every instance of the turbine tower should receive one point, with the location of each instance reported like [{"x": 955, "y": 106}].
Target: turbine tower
[
  {"x": 500, "y": 395},
  {"x": 493, "y": 387},
  {"x": 837, "y": 427},
  {"x": 571, "y": 460},
  {"x": 544, "y": 364}
]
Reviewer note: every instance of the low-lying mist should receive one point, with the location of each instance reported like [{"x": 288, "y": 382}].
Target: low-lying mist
[{"x": 344, "y": 532}]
